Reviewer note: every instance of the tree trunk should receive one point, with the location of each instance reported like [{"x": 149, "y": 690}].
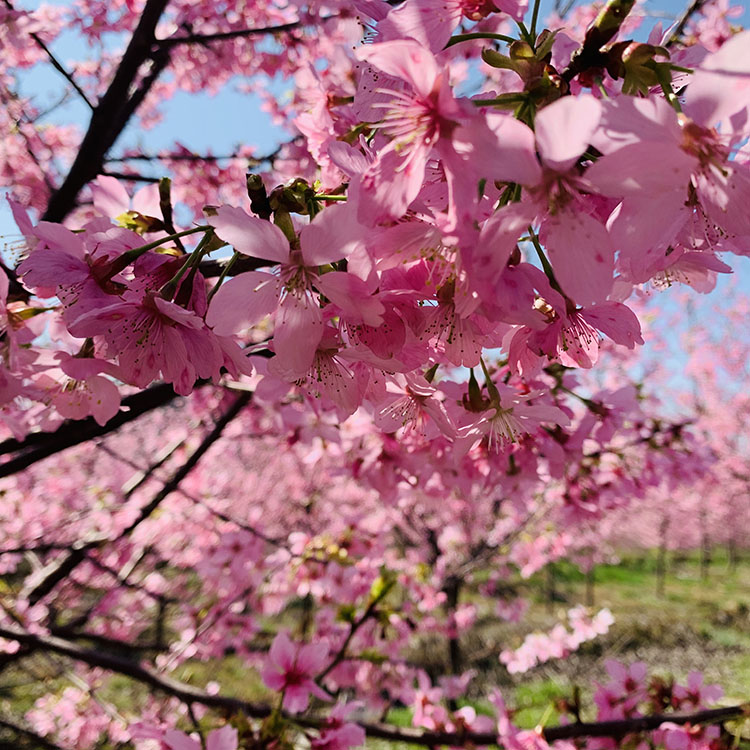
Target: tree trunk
[
  {"x": 732, "y": 554},
  {"x": 551, "y": 588},
  {"x": 452, "y": 589},
  {"x": 705, "y": 546},
  {"x": 661, "y": 558},
  {"x": 590, "y": 581}
]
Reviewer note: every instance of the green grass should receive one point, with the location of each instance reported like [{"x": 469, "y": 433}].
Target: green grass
[{"x": 698, "y": 624}]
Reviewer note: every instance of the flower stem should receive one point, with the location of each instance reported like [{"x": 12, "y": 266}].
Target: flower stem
[
  {"x": 478, "y": 35},
  {"x": 665, "y": 81},
  {"x": 546, "y": 267},
  {"x": 227, "y": 268},
  {"x": 169, "y": 289},
  {"x": 502, "y": 100},
  {"x": 131, "y": 255},
  {"x": 534, "y": 17}
]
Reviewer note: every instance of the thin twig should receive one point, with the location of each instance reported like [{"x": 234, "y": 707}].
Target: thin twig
[
  {"x": 695, "y": 7},
  {"x": 223, "y": 36},
  {"x": 56, "y": 64}
]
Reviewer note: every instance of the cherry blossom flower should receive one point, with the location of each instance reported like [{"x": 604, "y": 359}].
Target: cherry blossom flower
[
  {"x": 217, "y": 739},
  {"x": 291, "y": 670}
]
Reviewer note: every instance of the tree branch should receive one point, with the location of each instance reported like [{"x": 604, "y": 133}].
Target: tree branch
[
  {"x": 111, "y": 114},
  {"x": 222, "y": 36},
  {"x": 695, "y": 7},
  {"x": 134, "y": 177},
  {"x": 19, "y": 731},
  {"x": 38, "y": 445},
  {"x": 604, "y": 28}
]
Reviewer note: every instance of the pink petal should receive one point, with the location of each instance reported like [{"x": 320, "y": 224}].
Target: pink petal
[
  {"x": 282, "y": 652},
  {"x": 48, "y": 268},
  {"x": 242, "y": 302},
  {"x": 630, "y": 120},
  {"x": 517, "y": 149},
  {"x": 351, "y": 161},
  {"x": 720, "y": 87},
  {"x": 639, "y": 229},
  {"x": 404, "y": 59},
  {"x": 296, "y": 699},
  {"x": 180, "y": 741},
  {"x": 638, "y": 167},
  {"x": 146, "y": 201},
  {"x": 564, "y": 129},
  {"x": 21, "y": 217},
  {"x": 429, "y": 22},
  {"x": 60, "y": 238},
  {"x": 222, "y": 739},
  {"x": 334, "y": 234},
  {"x": 615, "y": 320},
  {"x": 299, "y": 329},
  {"x": 353, "y": 296},
  {"x": 391, "y": 183},
  {"x": 250, "y": 235},
  {"x": 274, "y": 679},
  {"x": 487, "y": 260},
  {"x": 312, "y": 658},
  {"x": 110, "y": 197},
  {"x": 582, "y": 256}
]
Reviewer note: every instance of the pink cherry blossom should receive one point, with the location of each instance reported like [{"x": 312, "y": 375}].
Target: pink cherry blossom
[{"x": 291, "y": 670}]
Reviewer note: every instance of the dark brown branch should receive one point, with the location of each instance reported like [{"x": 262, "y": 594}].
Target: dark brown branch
[
  {"x": 38, "y": 445},
  {"x": 604, "y": 28},
  {"x": 174, "y": 482},
  {"x": 203, "y": 157},
  {"x": 189, "y": 694},
  {"x": 172, "y": 157},
  {"x": 223, "y": 36},
  {"x": 111, "y": 644},
  {"x": 213, "y": 268},
  {"x": 19, "y": 731},
  {"x": 93, "y": 658},
  {"x": 111, "y": 114},
  {"x": 616, "y": 729},
  {"x": 695, "y": 7},
  {"x": 134, "y": 177}
]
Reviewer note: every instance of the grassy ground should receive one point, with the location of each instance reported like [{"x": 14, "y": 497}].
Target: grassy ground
[{"x": 696, "y": 624}]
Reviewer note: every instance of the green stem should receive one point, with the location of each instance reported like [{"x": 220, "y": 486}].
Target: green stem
[
  {"x": 169, "y": 289},
  {"x": 478, "y": 35},
  {"x": 131, "y": 255},
  {"x": 503, "y": 99},
  {"x": 525, "y": 33},
  {"x": 665, "y": 81},
  {"x": 330, "y": 197},
  {"x": 534, "y": 17},
  {"x": 227, "y": 268},
  {"x": 546, "y": 267}
]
